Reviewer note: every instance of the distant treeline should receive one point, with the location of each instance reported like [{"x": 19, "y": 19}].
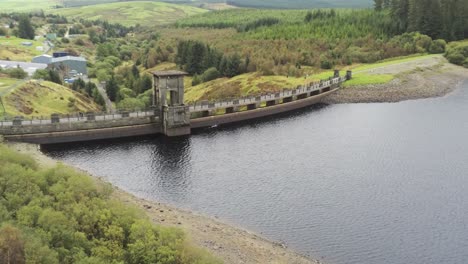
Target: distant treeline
[
  {"x": 300, "y": 4},
  {"x": 446, "y": 19}
]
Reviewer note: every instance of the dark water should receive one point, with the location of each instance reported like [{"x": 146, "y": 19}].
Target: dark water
[{"x": 357, "y": 183}]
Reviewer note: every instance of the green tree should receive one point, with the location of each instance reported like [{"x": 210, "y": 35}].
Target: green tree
[
  {"x": 25, "y": 29},
  {"x": 112, "y": 89},
  {"x": 11, "y": 245}
]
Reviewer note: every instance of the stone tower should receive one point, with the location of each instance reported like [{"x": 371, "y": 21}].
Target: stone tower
[{"x": 168, "y": 99}]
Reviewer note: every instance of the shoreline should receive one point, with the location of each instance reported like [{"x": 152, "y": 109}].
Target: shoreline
[
  {"x": 419, "y": 82},
  {"x": 230, "y": 243}
]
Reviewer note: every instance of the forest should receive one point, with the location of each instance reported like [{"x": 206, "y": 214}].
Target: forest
[
  {"x": 444, "y": 19},
  {"x": 58, "y": 215}
]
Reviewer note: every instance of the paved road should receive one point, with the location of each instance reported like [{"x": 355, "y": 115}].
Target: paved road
[{"x": 109, "y": 106}]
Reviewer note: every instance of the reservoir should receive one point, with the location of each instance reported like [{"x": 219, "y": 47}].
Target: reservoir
[{"x": 348, "y": 183}]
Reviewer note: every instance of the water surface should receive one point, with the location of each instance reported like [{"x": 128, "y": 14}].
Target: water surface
[{"x": 351, "y": 183}]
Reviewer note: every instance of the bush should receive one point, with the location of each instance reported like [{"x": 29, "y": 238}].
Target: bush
[
  {"x": 65, "y": 40},
  {"x": 465, "y": 63},
  {"x": 17, "y": 73},
  {"x": 326, "y": 64},
  {"x": 437, "y": 46},
  {"x": 196, "y": 80},
  {"x": 79, "y": 42},
  {"x": 126, "y": 93},
  {"x": 455, "y": 58},
  {"x": 210, "y": 74},
  {"x": 130, "y": 104}
]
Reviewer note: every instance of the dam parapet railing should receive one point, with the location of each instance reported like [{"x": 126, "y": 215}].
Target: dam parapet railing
[
  {"x": 77, "y": 121},
  {"x": 286, "y": 95}
]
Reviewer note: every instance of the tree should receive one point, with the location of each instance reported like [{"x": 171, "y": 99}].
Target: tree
[
  {"x": 11, "y": 245},
  {"x": 378, "y": 5},
  {"x": 25, "y": 29},
  {"x": 112, "y": 89}
]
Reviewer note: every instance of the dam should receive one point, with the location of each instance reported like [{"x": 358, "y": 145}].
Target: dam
[{"x": 169, "y": 115}]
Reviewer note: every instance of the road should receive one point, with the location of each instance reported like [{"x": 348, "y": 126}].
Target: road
[{"x": 109, "y": 106}]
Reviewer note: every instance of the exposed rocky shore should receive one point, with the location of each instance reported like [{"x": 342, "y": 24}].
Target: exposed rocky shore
[{"x": 429, "y": 78}]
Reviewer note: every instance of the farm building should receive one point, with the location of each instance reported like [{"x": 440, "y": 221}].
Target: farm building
[
  {"x": 42, "y": 59},
  {"x": 59, "y": 54},
  {"x": 28, "y": 67},
  {"x": 71, "y": 63},
  {"x": 51, "y": 36}
]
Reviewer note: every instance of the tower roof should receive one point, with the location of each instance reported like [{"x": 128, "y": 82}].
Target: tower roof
[{"x": 169, "y": 73}]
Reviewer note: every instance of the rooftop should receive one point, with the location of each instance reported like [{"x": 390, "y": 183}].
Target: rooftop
[
  {"x": 169, "y": 73},
  {"x": 68, "y": 58}
]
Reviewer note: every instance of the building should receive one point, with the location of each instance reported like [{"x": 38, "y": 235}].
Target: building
[
  {"x": 51, "y": 36},
  {"x": 44, "y": 58},
  {"x": 28, "y": 67},
  {"x": 59, "y": 54},
  {"x": 70, "y": 63}
]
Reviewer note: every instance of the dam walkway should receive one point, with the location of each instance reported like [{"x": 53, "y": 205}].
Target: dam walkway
[{"x": 169, "y": 116}]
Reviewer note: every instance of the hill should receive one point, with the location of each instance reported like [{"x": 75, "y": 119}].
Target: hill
[
  {"x": 36, "y": 98},
  {"x": 132, "y": 13},
  {"x": 287, "y": 4}
]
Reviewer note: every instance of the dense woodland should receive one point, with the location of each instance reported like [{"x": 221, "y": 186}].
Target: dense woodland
[
  {"x": 58, "y": 215},
  {"x": 444, "y": 19}
]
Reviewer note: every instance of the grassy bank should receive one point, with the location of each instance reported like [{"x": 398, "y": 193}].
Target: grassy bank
[
  {"x": 255, "y": 83},
  {"x": 34, "y": 98},
  {"x": 58, "y": 215}
]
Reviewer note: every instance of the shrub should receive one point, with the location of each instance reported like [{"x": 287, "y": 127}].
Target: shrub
[
  {"x": 210, "y": 74},
  {"x": 326, "y": 64},
  {"x": 437, "y": 46},
  {"x": 65, "y": 40},
  {"x": 455, "y": 58},
  {"x": 17, "y": 73},
  {"x": 130, "y": 104},
  {"x": 196, "y": 80},
  {"x": 465, "y": 63}
]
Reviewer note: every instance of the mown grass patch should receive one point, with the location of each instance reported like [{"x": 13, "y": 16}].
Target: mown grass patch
[
  {"x": 132, "y": 13},
  {"x": 45, "y": 98},
  {"x": 392, "y": 61},
  {"x": 368, "y": 79}
]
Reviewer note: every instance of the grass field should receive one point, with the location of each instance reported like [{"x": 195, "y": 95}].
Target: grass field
[
  {"x": 26, "y": 5},
  {"x": 131, "y": 13},
  {"x": 11, "y": 49},
  {"x": 44, "y": 98},
  {"x": 5, "y": 84}
]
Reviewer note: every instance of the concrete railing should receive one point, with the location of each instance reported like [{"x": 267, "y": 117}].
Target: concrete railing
[
  {"x": 250, "y": 100},
  {"x": 56, "y": 119}
]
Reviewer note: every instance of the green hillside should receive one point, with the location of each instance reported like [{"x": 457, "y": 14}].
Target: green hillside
[
  {"x": 132, "y": 13},
  {"x": 44, "y": 98}
]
